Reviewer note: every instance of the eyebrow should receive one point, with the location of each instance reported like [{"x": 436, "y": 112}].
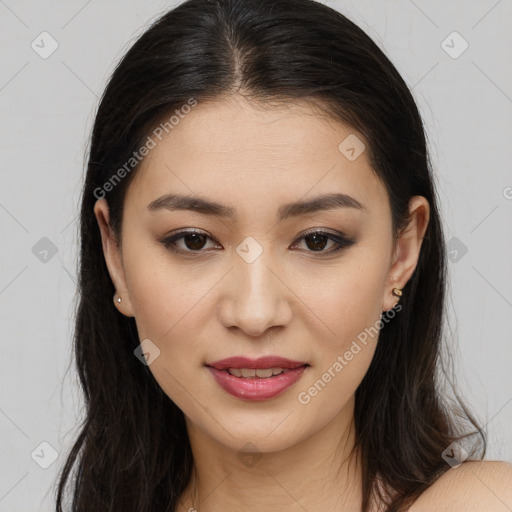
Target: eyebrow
[{"x": 202, "y": 205}]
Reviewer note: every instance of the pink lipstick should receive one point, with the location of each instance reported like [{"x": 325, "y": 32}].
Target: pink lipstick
[{"x": 256, "y": 379}]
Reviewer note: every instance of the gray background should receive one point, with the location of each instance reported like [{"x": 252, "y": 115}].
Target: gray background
[{"x": 47, "y": 110}]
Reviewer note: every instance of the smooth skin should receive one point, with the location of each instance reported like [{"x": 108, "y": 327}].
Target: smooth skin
[{"x": 296, "y": 300}]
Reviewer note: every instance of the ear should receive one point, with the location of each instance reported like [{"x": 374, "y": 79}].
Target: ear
[
  {"x": 407, "y": 250},
  {"x": 113, "y": 259}
]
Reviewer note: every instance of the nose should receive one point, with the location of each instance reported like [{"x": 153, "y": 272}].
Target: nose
[{"x": 255, "y": 297}]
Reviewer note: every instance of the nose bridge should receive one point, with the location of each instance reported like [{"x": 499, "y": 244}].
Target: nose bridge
[{"x": 255, "y": 298}]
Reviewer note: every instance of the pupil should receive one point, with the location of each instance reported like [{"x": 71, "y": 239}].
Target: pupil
[
  {"x": 317, "y": 241},
  {"x": 196, "y": 241}
]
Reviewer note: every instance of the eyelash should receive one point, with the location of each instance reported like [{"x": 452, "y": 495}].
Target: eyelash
[{"x": 342, "y": 241}]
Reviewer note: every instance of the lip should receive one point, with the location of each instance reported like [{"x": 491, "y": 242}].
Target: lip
[
  {"x": 261, "y": 362},
  {"x": 255, "y": 388}
]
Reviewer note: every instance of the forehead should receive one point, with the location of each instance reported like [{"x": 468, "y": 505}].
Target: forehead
[{"x": 244, "y": 153}]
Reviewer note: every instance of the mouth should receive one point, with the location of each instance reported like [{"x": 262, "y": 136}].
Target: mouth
[{"x": 256, "y": 379}]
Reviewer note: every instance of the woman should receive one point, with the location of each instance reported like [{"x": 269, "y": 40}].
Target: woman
[{"x": 262, "y": 279}]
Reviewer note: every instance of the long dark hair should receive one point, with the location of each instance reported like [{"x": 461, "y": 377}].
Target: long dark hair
[{"x": 133, "y": 452}]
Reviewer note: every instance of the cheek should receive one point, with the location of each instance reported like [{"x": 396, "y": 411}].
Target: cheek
[
  {"x": 350, "y": 298},
  {"x": 169, "y": 307},
  {"x": 350, "y": 305},
  {"x": 165, "y": 297}
]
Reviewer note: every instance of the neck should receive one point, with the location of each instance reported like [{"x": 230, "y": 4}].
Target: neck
[{"x": 316, "y": 474}]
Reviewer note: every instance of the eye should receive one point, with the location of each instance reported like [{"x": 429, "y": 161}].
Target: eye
[
  {"x": 193, "y": 240},
  {"x": 316, "y": 241}
]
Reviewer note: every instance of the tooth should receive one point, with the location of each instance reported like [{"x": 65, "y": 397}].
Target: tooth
[
  {"x": 267, "y": 372},
  {"x": 262, "y": 373}
]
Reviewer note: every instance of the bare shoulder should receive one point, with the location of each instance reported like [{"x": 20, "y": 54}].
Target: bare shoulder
[{"x": 476, "y": 486}]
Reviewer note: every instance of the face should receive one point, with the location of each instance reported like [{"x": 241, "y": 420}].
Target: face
[{"x": 253, "y": 277}]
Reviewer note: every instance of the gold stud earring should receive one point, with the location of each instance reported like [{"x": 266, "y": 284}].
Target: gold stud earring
[{"x": 397, "y": 292}]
